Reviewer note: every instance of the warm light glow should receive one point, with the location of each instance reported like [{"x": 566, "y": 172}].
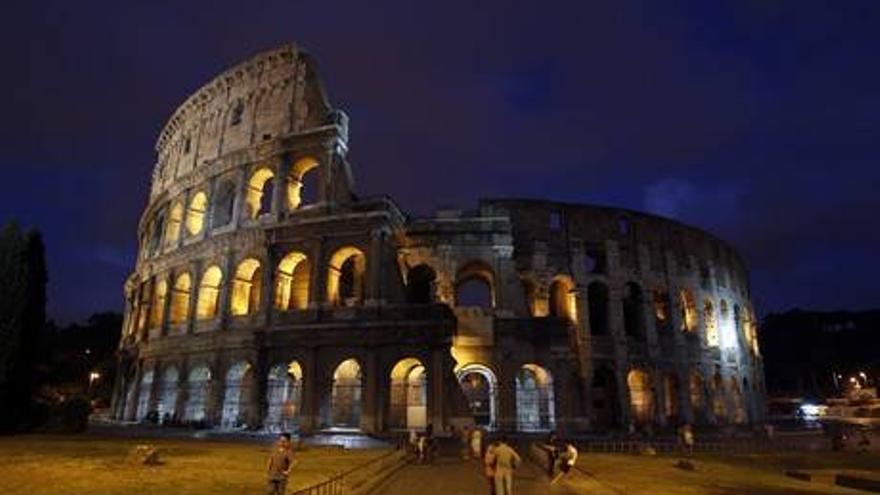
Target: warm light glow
[
  {"x": 195, "y": 214},
  {"x": 563, "y": 300},
  {"x": 345, "y": 277},
  {"x": 180, "y": 295},
  {"x": 158, "y": 308},
  {"x": 689, "y": 317},
  {"x": 295, "y": 181},
  {"x": 93, "y": 377},
  {"x": 256, "y": 188},
  {"x": 246, "y": 288},
  {"x": 209, "y": 290},
  {"x": 712, "y": 337},
  {"x": 175, "y": 221},
  {"x": 292, "y": 282},
  {"x": 641, "y": 395}
]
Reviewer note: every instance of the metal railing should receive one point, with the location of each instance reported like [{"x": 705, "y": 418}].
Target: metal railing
[{"x": 338, "y": 483}]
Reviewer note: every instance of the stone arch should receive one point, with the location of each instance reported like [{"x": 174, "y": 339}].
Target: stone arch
[
  {"x": 712, "y": 337},
  {"x": 175, "y": 223},
  {"x": 195, "y": 213},
  {"x": 209, "y": 291},
  {"x": 236, "y": 389},
  {"x": 224, "y": 204},
  {"x": 144, "y": 395},
  {"x": 408, "y": 400},
  {"x": 633, "y": 311},
  {"x": 284, "y": 397},
  {"x": 259, "y": 192},
  {"x": 480, "y": 387},
  {"x": 157, "y": 230},
  {"x": 292, "y": 282},
  {"x": 563, "y": 298},
  {"x": 475, "y": 285},
  {"x": 168, "y": 388},
  {"x": 662, "y": 315},
  {"x": 641, "y": 396},
  {"x": 597, "y": 301},
  {"x": 180, "y": 296},
  {"x": 688, "y": 306},
  {"x": 345, "y": 277},
  {"x": 420, "y": 281},
  {"x": 297, "y": 189},
  {"x": 696, "y": 394},
  {"x": 197, "y": 382},
  {"x": 246, "y": 288},
  {"x": 346, "y": 396},
  {"x": 535, "y": 407},
  {"x": 604, "y": 394},
  {"x": 157, "y": 309},
  {"x": 739, "y": 414},
  {"x": 719, "y": 408},
  {"x": 670, "y": 396}
]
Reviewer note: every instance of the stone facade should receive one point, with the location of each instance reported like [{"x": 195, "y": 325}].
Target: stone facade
[{"x": 268, "y": 295}]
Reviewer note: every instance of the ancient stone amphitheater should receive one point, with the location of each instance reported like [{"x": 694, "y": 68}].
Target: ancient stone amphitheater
[{"x": 268, "y": 295}]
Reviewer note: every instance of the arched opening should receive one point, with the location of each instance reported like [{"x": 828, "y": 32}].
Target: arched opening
[
  {"x": 420, "y": 284},
  {"x": 408, "y": 406},
  {"x": 633, "y": 311},
  {"x": 696, "y": 391},
  {"x": 180, "y": 296},
  {"x": 292, "y": 282},
  {"x": 597, "y": 301},
  {"x": 346, "y": 395},
  {"x": 246, "y": 288},
  {"x": 175, "y": 222},
  {"x": 224, "y": 204},
  {"x": 712, "y": 339},
  {"x": 739, "y": 414},
  {"x": 475, "y": 286},
  {"x": 641, "y": 396},
  {"x": 300, "y": 189},
  {"x": 284, "y": 397},
  {"x": 535, "y": 408},
  {"x": 670, "y": 394},
  {"x": 167, "y": 406},
  {"x": 604, "y": 393},
  {"x": 563, "y": 299},
  {"x": 157, "y": 310},
  {"x": 209, "y": 291},
  {"x": 195, "y": 213},
  {"x": 480, "y": 389},
  {"x": 689, "y": 317},
  {"x": 157, "y": 230},
  {"x": 197, "y": 384},
  {"x": 259, "y": 192},
  {"x": 719, "y": 409},
  {"x": 530, "y": 297},
  {"x": 236, "y": 391},
  {"x": 143, "y": 308},
  {"x": 661, "y": 310},
  {"x": 345, "y": 279},
  {"x": 143, "y": 406},
  {"x": 738, "y": 326}
]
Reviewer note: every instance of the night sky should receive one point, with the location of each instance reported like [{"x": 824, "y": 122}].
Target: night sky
[{"x": 756, "y": 120}]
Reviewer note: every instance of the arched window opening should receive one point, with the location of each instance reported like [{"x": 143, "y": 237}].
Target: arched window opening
[
  {"x": 234, "y": 395},
  {"x": 480, "y": 389},
  {"x": 143, "y": 307},
  {"x": 563, "y": 299},
  {"x": 209, "y": 291},
  {"x": 292, "y": 282},
  {"x": 195, "y": 214},
  {"x": 712, "y": 339},
  {"x": 246, "y": 288},
  {"x": 696, "y": 391},
  {"x": 535, "y": 408},
  {"x": 604, "y": 394},
  {"x": 719, "y": 409},
  {"x": 180, "y": 296},
  {"x": 197, "y": 384},
  {"x": 633, "y": 311},
  {"x": 224, "y": 204},
  {"x": 158, "y": 229},
  {"x": 670, "y": 394},
  {"x": 597, "y": 300},
  {"x": 409, "y": 395},
  {"x": 301, "y": 189},
  {"x": 641, "y": 396},
  {"x": 258, "y": 197},
  {"x": 662, "y": 316},
  {"x": 284, "y": 397},
  {"x": 739, "y": 415},
  {"x": 157, "y": 313},
  {"x": 167, "y": 406},
  {"x": 175, "y": 222},
  {"x": 143, "y": 406},
  {"x": 345, "y": 280},
  {"x": 420, "y": 284},
  {"x": 689, "y": 317},
  {"x": 346, "y": 395},
  {"x": 475, "y": 286}
]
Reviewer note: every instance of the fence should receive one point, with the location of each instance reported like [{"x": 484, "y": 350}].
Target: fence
[{"x": 356, "y": 479}]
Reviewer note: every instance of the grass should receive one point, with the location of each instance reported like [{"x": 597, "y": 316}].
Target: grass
[
  {"x": 86, "y": 465},
  {"x": 723, "y": 474}
]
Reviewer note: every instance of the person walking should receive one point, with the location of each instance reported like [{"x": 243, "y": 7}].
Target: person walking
[
  {"x": 477, "y": 444},
  {"x": 506, "y": 462},
  {"x": 567, "y": 460},
  {"x": 279, "y": 465},
  {"x": 552, "y": 453},
  {"x": 489, "y": 462}
]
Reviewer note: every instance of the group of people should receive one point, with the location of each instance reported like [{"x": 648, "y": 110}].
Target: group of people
[
  {"x": 561, "y": 454},
  {"x": 422, "y": 444}
]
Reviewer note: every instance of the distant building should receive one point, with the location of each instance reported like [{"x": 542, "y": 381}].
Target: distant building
[{"x": 268, "y": 294}]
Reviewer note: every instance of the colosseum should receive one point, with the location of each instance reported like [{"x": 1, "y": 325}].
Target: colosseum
[{"x": 268, "y": 295}]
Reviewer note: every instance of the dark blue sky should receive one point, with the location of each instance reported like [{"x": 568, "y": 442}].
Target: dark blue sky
[{"x": 755, "y": 120}]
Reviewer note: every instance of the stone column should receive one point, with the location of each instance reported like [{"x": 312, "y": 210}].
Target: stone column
[
  {"x": 267, "y": 287},
  {"x": 310, "y": 408},
  {"x": 375, "y": 268},
  {"x": 166, "y": 309},
  {"x": 370, "y": 399},
  {"x": 281, "y": 168},
  {"x": 195, "y": 270},
  {"x": 318, "y": 282},
  {"x": 225, "y": 297},
  {"x": 436, "y": 387},
  {"x": 238, "y": 204}
]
